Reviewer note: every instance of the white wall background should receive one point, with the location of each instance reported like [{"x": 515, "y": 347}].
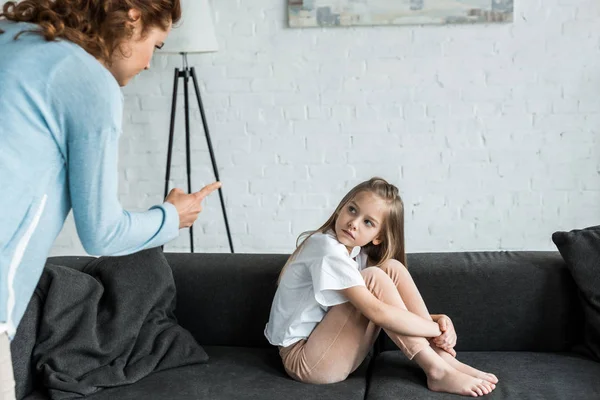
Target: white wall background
[{"x": 490, "y": 131}]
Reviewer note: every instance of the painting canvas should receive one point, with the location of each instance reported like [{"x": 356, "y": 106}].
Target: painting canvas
[{"x": 313, "y": 13}]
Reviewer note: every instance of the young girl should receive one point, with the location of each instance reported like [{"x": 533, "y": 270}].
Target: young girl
[{"x": 345, "y": 282}]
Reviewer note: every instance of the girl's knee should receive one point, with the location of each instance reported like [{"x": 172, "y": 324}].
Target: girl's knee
[
  {"x": 375, "y": 276},
  {"x": 395, "y": 266},
  {"x": 373, "y": 273}
]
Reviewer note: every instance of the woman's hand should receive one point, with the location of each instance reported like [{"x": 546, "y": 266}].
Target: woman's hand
[
  {"x": 447, "y": 340},
  {"x": 190, "y": 205}
]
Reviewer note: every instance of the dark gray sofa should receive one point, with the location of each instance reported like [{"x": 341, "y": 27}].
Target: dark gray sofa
[{"x": 517, "y": 314}]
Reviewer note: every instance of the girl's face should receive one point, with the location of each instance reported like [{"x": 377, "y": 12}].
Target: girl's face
[
  {"x": 137, "y": 51},
  {"x": 359, "y": 222}
]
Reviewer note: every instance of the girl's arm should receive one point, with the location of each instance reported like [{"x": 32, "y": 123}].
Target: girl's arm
[{"x": 397, "y": 320}]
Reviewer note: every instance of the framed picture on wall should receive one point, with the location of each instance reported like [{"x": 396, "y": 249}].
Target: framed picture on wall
[{"x": 314, "y": 13}]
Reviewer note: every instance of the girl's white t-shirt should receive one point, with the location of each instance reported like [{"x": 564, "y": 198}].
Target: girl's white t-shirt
[{"x": 310, "y": 285}]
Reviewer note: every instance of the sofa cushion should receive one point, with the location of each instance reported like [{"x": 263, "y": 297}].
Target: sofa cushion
[
  {"x": 581, "y": 250},
  {"x": 522, "y": 375},
  {"x": 232, "y": 373},
  {"x": 501, "y": 301}
]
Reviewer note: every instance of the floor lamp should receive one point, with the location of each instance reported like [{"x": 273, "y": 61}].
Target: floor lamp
[{"x": 193, "y": 34}]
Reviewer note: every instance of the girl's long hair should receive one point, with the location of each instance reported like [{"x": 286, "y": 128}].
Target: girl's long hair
[
  {"x": 98, "y": 26},
  {"x": 392, "y": 229}
]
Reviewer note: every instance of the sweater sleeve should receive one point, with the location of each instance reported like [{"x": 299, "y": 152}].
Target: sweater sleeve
[{"x": 91, "y": 104}]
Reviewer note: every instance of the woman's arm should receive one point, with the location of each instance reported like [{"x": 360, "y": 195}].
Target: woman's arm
[
  {"x": 88, "y": 106},
  {"x": 395, "y": 319},
  {"x": 103, "y": 226}
]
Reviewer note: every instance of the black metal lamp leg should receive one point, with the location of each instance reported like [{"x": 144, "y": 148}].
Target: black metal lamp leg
[
  {"x": 212, "y": 154},
  {"x": 186, "y": 78},
  {"x": 171, "y": 132}
]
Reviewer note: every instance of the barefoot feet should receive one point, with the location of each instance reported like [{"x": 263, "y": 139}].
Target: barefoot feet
[
  {"x": 443, "y": 376},
  {"x": 450, "y": 380},
  {"x": 464, "y": 368}
]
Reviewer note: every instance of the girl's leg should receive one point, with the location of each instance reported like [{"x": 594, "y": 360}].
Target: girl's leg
[
  {"x": 335, "y": 348},
  {"x": 415, "y": 304},
  {"x": 406, "y": 287},
  {"x": 441, "y": 377},
  {"x": 341, "y": 341},
  {"x": 343, "y": 338}
]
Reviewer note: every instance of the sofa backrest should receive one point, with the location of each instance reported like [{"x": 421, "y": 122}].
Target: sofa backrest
[
  {"x": 225, "y": 299},
  {"x": 500, "y": 301}
]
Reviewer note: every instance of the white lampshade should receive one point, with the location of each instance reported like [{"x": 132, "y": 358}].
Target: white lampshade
[{"x": 195, "y": 32}]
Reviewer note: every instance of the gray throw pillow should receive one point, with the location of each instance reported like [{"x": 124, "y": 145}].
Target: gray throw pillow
[{"x": 580, "y": 248}]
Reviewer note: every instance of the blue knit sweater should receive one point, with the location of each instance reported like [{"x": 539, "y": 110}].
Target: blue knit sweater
[{"x": 60, "y": 121}]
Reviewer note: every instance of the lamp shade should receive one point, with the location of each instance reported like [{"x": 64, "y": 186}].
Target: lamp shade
[{"x": 195, "y": 32}]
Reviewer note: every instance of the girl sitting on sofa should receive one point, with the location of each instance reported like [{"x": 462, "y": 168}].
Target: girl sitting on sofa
[{"x": 346, "y": 281}]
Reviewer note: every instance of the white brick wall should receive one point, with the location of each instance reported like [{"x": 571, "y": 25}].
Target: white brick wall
[{"x": 490, "y": 131}]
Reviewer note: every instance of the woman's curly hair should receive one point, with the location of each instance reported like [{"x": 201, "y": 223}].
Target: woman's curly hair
[{"x": 98, "y": 26}]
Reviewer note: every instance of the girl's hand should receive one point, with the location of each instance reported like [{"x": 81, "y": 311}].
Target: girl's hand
[{"x": 447, "y": 340}]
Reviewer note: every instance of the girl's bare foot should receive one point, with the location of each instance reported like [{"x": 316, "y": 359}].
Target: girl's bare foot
[
  {"x": 450, "y": 380},
  {"x": 442, "y": 377},
  {"x": 464, "y": 368}
]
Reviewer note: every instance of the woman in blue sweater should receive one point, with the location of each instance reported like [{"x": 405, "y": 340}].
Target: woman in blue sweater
[{"x": 62, "y": 64}]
